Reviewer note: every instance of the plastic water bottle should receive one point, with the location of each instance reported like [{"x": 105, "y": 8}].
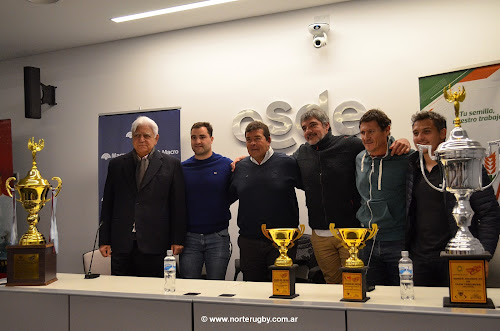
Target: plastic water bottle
[
  {"x": 406, "y": 277},
  {"x": 169, "y": 271}
]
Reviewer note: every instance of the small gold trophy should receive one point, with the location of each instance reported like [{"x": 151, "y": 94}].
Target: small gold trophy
[
  {"x": 354, "y": 271},
  {"x": 33, "y": 261},
  {"x": 283, "y": 270}
]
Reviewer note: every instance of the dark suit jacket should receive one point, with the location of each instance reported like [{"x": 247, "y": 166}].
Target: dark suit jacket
[{"x": 158, "y": 207}]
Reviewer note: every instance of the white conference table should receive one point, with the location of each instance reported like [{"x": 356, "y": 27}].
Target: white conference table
[{"x": 131, "y": 303}]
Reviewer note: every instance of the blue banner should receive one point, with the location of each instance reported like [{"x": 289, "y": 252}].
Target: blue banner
[{"x": 115, "y": 137}]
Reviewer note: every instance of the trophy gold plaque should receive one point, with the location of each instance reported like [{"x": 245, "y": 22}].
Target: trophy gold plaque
[
  {"x": 461, "y": 160},
  {"x": 354, "y": 270},
  {"x": 33, "y": 261},
  {"x": 283, "y": 270}
]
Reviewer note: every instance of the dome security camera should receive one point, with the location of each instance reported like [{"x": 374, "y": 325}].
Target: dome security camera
[
  {"x": 319, "y": 31},
  {"x": 320, "y": 41}
]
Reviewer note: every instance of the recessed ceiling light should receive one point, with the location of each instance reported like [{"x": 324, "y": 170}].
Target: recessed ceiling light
[
  {"x": 195, "y": 5},
  {"x": 44, "y": 2}
]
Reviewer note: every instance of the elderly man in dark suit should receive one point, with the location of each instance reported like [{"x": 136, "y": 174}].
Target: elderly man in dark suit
[{"x": 143, "y": 209}]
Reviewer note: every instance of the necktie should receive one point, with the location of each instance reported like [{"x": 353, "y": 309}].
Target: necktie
[{"x": 141, "y": 170}]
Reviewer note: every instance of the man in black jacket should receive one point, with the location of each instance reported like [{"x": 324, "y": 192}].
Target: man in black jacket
[
  {"x": 431, "y": 223},
  {"x": 143, "y": 209}
]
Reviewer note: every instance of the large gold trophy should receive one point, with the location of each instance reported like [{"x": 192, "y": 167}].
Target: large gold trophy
[
  {"x": 354, "y": 271},
  {"x": 283, "y": 270},
  {"x": 33, "y": 261}
]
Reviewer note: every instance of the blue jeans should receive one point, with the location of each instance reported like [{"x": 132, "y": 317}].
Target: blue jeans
[
  {"x": 383, "y": 267},
  {"x": 209, "y": 249}
]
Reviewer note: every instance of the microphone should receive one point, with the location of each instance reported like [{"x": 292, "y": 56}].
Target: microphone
[{"x": 89, "y": 274}]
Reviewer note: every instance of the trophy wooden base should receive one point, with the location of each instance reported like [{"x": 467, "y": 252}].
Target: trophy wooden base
[
  {"x": 354, "y": 284},
  {"x": 284, "y": 282},
  {"x": 31, "y": 265},
  {"x": 489, "y": 304},
  {"x": 467, "y": 281}
]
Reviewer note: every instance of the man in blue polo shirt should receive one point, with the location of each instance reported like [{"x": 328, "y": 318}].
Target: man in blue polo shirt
[{"x": 207, "y": 175}]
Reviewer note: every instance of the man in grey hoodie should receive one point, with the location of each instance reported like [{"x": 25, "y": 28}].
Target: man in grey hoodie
[{"x": 381, "y": 183}]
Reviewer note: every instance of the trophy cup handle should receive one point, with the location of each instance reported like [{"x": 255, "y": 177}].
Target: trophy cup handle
[
  {"x": 334, "y": 232},
  {"x": 8, "y": 187},
  {"x": 266, "y": 233},
  {"x": 421, "y": 149},
  {"x": 490, "y": 144},
  {"x": 302, "y": 228},
  {"x": 421, "y": 155},
  {"x": 337, "y": 235},
  {"x": 58, "y": 188},
  {"x": 373, "y": 232}
]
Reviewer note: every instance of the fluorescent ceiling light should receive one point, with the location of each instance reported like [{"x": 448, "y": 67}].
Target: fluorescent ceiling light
[
  {"x": 169, "y": 10},
  {"x": 43, "y": 2}
]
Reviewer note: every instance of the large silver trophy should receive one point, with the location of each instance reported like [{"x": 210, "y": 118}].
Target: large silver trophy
[{"x": 461, "y": 159}]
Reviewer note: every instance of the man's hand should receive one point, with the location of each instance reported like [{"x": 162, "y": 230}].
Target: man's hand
[
  {"x": 176, "y": 249},
  {"x": 400, "y": 147},
  {"x": 238, "y": 159},
  {"x": 105, "y": 250}
]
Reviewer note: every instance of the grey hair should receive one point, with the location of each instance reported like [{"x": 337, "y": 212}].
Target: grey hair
[
  {"x": 318, "y": 114},
  {"x": 146, "y": 121}
]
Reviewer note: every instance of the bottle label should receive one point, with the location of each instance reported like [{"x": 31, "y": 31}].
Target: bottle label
[
  {"x": 405, "y": 271},
  {"x": 169, "y": 267}
]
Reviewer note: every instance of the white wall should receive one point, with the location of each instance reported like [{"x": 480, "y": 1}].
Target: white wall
[{"x": 376, "y": 52}]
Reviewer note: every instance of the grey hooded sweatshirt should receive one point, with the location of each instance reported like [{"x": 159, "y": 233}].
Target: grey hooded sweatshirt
[{"x": 381, "y": 183}]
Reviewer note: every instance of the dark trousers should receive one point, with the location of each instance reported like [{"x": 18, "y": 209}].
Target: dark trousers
[
  {"x": 430, "y": 272},
  {"x": 256, "y": 255},
  {"x": 137, "y": 263},
  {"x": 383, "y": 268}
]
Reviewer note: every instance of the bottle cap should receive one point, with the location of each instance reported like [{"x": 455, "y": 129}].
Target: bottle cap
[
  {"x": 169, "y": 252},
  {"x": 404, "y": 253}
]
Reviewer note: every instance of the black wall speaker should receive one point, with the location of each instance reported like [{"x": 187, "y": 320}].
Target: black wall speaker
[
  {"x": 32, "y": 93},
  {"x": 36, "y": 93}
]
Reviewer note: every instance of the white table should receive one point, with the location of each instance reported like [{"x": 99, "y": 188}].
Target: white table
[{"x": 130, "y": 303}]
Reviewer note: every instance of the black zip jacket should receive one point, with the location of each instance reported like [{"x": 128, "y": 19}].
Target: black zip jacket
[{"x": 329, "y": 180}]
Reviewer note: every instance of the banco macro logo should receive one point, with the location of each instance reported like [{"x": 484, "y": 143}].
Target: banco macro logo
[{"x": 105, "y": 156}]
